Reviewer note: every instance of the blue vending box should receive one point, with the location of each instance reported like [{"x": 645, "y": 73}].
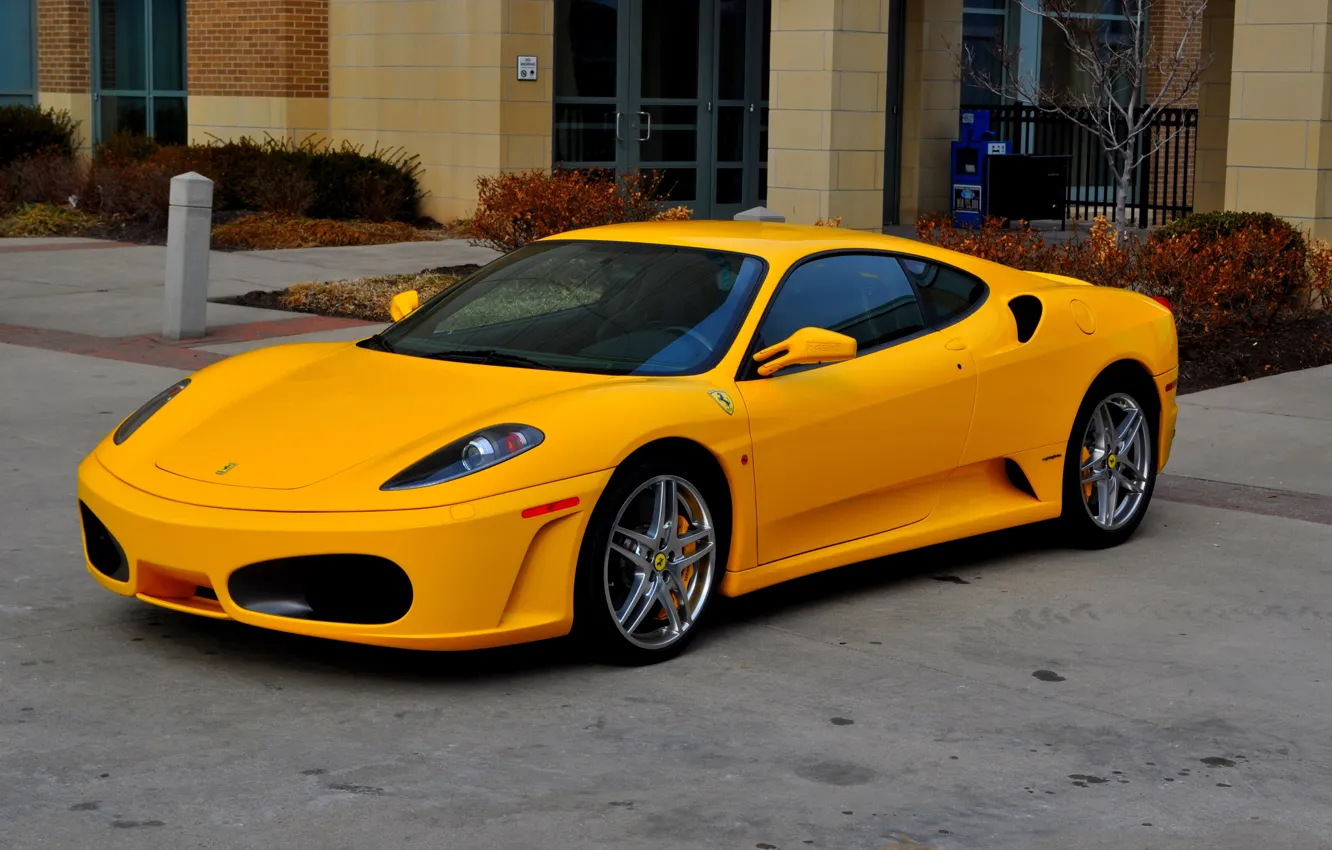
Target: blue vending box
[{"x": 974, "y": 146}]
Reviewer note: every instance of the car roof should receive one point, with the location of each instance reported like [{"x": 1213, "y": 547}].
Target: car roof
[{"x": 783, "y": 244}]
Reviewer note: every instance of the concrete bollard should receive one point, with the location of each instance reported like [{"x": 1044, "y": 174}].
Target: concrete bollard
[
  {"x": 189, "y": 227},
  {"x": 760, "y": 214}
]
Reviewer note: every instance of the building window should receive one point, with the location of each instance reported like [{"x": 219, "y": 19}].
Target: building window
[
  {"x": 139, "y": 69},
  {"x": 18, "y": 66},
  {"x": 990, "y": 27},
  {"x": 984, "y": 25}
]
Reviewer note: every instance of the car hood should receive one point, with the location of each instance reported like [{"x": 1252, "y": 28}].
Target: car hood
[{"x": 340, "y": 411}]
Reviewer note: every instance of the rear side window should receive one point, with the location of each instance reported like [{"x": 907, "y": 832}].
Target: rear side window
[
  {"x": 864, "y": 296},
  {"x": 946, "y": 293}
]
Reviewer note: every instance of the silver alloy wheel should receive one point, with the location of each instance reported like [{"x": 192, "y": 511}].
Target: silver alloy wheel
[
  {"x": 1115, "y": 462},
  {"x": 660, "y": 562}
]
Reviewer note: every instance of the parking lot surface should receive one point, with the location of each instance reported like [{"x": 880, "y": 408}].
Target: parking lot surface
[{"x": 997, "y": 693}]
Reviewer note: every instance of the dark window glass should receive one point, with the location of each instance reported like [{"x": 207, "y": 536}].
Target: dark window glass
[
  {"x": 730, "y": 134},
  {"x": 168, "y": 46},
  {"x": 16, "y": 50},
  {"x": 731, "y": 50},
  {"x": 169, "y": 124},
  {"x": 669, "y": 48},
  {"x": 123, "y": 113},
  {"x": 673, "y": 134},
  {"x": 604, "y": 307},
  {"x": 730, "y": 185},
  {"x": 864, "y": 296},
  {"x": 679, "y": 184},
  {"x": 982, "y": 46},
  {"x": 584, "y": 133},
  {"x": 121, "y": 35},
  {"x": 587, "y": 34},
  {"x": 947, "y": 293}
]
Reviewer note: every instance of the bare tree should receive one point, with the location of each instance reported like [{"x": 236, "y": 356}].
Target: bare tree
[{"x": 1123, "y": 80}]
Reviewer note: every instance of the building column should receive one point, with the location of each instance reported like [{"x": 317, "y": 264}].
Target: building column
[
  {"x": 826, "y": 121},
  {"x": 931, "y": 105},
  {"x": 64, "y": 61},
  {"x": 1279, "y": 150},
  {"x": 440, "y": 80},
  {"x": 1218, "y": 39}
]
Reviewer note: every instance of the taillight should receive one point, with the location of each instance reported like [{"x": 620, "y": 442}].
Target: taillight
[{"x": 1163, "y": 301}]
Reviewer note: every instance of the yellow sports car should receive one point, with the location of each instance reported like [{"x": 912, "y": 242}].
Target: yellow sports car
[{"x": 601, "y": 432}]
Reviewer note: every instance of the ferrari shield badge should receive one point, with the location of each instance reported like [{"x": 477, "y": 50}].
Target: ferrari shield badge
[
  {"x": 224, "y": 470},
  {"x": 723, "y": 401}
]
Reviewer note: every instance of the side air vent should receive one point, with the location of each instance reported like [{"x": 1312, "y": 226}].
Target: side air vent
[
  {"x": 1027, "y": 312},
  {"x": 1017, "y": 477}
]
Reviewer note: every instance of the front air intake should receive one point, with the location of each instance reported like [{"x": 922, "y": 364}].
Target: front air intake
[
  {"x": 104, "y": 552},
  {"x": 360, "y": 589}
]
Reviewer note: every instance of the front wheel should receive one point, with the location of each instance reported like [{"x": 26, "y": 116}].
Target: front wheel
[
  {"x": 651, "y": 561},
  {"x": 1110, "y": 467}
]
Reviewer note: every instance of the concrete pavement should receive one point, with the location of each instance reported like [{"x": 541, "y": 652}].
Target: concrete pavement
[
  {"x": 114, "y": 289},
  {"x": 998, "y": 693}
]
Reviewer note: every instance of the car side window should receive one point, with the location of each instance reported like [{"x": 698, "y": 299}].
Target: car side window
[
  {"x": 947, "y": 293},
  {"x": 865, "y": 296}
]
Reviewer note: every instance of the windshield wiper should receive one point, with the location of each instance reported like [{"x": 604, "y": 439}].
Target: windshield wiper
[
  {"x": 378, "y": 341},
  {"x": 488, "y": 356}
]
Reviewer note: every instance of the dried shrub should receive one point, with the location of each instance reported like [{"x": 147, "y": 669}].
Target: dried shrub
[
  {"x": 270, "y": 232},
  {"x": 281, "y": 185},
  {"x": 27, "y": 131},
  {"x": 366, "y": 298},
  {"x": 1242, "y": 273},
  {"x": 518, "y": 208},
  {"x": 126, "y": 146},
  {"x": 676, "y": 213},
  {"x": 832, "y": 221},
  {"x": 46, "y": 178},
  {"x": 45, "y": 220},
  {"x": 138, "y": 191}
]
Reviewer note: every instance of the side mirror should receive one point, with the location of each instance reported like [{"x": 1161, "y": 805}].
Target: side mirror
[
  {"x": 806, "y": 346},
  {"x": 404, "y": 304}
]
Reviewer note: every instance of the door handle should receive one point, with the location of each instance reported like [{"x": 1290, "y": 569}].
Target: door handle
[
  {"x": 618, "y": 137},
  {"x": 955, "y": 345},
  {"x": 649, "y": 126}
]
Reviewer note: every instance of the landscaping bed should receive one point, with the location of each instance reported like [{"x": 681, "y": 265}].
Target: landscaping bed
[
  {"x": 363, "y": 298},
  {"x": 1231, "y": 357}
]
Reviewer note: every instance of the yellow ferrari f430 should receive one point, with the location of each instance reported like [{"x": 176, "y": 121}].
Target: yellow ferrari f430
[{"x": 603, "y": 431}]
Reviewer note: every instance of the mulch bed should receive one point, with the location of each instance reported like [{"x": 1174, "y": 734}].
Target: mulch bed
[
  {"x": 279, "y": 299},
  {"x": 1233, "y": 357}
]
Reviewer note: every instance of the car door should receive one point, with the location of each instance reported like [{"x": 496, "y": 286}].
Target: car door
[{"x": 846, "y": 450}]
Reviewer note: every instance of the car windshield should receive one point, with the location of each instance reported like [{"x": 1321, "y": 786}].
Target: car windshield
[{"x": 613, "y": 308}]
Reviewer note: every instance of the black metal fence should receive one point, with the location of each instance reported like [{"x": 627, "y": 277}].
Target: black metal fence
[{"x": 1162, "y": 187}]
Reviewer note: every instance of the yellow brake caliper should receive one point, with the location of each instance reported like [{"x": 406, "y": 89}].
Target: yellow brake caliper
[
  {"x": 1087, "y": 486},
  {"x": 687, "y": 574}
]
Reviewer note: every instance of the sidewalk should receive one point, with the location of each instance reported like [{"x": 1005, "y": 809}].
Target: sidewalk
[{"x": 114, "y": 289}]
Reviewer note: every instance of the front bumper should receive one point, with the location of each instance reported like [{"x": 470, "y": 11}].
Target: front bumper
[{"x": 481, "y": 574}]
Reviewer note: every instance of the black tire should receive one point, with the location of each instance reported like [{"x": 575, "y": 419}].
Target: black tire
[
  {"x": 1079, "y": 527},
  {"x": 602, "y": 576}
]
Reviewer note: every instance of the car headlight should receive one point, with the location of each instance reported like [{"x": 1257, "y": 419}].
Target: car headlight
[
  {"x": 473, "y": 453},
  {"x": 144, "y": 413}
]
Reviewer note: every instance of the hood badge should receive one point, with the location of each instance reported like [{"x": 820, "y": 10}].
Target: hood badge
[
  {"x": 224, "y": 470},
  {"x": 723, "y": 401}
]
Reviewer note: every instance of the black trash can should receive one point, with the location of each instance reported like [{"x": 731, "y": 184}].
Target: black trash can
[{"x": 1028, "y": 188}]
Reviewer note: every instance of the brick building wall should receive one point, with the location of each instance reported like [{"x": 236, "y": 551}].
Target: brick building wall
[
  {"x": 64, "y": 47},
  {"x": 1167, "y": 27},
  {"x": 258, "y": 48}
]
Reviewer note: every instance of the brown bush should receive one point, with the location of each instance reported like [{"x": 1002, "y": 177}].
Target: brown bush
[
  {"x": 281, "y": 186},
  {"x": 1245, "y": 279},
  {"x": 47, "y": 178},
  {"x": 516, "y": 209},
  {"x": 270, "y": 231},
  {"x": 140, "y": 191}
]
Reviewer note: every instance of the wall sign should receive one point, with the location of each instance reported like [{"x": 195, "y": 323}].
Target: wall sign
[
  {"x": 527, "y": 68},
  {"x": 966, "y": 199},
  {"x": 997, "y": 149}
]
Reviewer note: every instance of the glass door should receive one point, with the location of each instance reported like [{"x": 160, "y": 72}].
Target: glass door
[
  {"x": 139, "y": 69},
  {"x": 673, "y": 86}
]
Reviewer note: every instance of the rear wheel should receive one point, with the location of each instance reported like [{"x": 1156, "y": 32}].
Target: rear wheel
[
  {"x": 651, "y": 561},
  {"x": 1110, "y": 465}
]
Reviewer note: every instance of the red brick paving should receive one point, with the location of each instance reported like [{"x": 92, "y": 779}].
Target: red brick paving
[{"x": 153, "y": 351}]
